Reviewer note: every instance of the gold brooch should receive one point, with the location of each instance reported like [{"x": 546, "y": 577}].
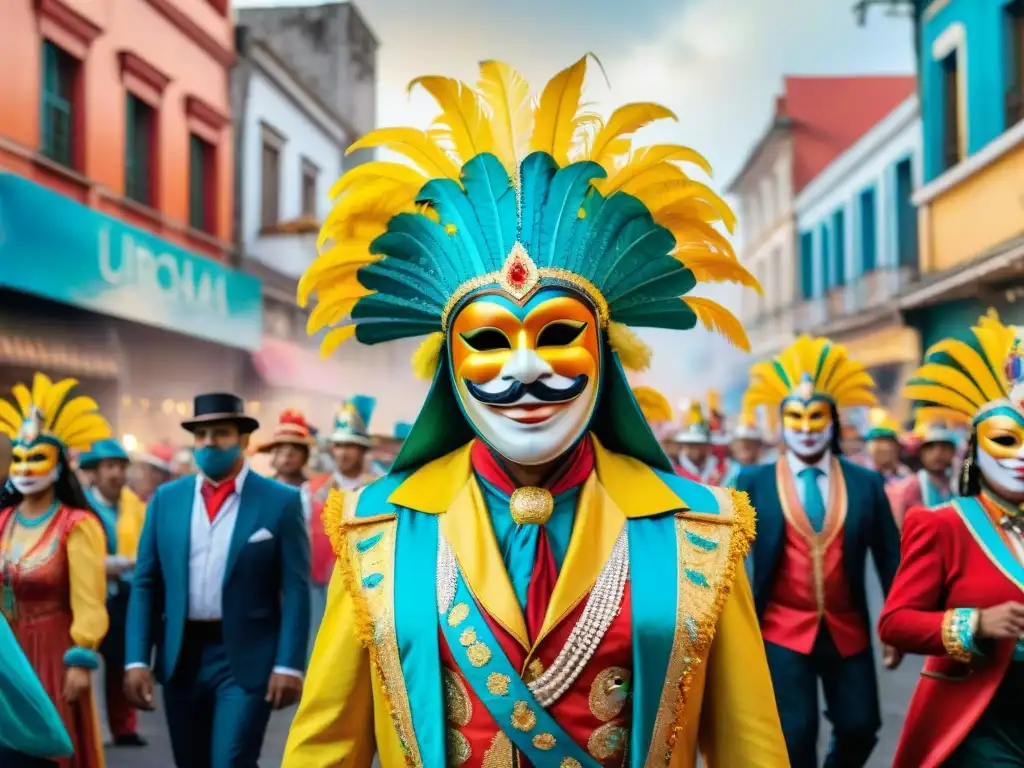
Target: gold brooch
[{"x": 530, "y": 505}]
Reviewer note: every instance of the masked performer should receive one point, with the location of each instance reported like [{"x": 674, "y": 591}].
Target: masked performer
[
  {"x": 53, "y": 587},
  {"x": 531, "y": 582},
  {"x": 122, "y": 514},
  {"x": 933, "y": 484},
  {"x": 882, "y": 443},
  {"x": 818, "y": 515},
  {"x": 958, "y": 597}
]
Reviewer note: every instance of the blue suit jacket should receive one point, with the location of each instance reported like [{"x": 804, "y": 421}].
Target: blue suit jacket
[
  {"x": 266, "y": 585},
  {"x": 869, "y": 526}
]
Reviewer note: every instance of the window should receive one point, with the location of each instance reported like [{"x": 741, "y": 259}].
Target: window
[
  {"x": 806, "y": 265},
  {"x": 270, "y": 179},
  {"x": 868, "y": 232},
  {"x": 60, "y": 72},
  {"x": 826, "y": 259},
  {"x": 200, "y": 184},
  {"x": 1015, "y": 49},
  {"x": 309, "y": 175},
  {"x": 906, "y": 214},
  {"x": 951, "y": 138},
  {"x": 139, "y": 143},
  {"x": 839, "y": 246}
]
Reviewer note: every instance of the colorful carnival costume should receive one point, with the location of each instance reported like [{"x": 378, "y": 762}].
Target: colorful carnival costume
[
  {"x": 122, "y": 520},
  {"x": 54, "y": 589},
  {"x": 594, "y": 607},
  {"x": 933, "y": 484},
  {"x": 883, "y": 440},
  {"x": 696, "y": 459},
  {"x": 964, "y": 557},
  {"x": 653, "y": 405},
  {"x": 31, "y": 730},
  {"x": 817, "y": 517},
  {"x": 746, "y": 446}
]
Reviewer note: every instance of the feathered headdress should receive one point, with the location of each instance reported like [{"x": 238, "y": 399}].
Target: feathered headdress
[
  {"x": 47, "y": 414},
  {"x": 695, "y": 427},
  {"x": 655, "y": 406},
  {"x": 964, "y": 378},
  {"x": 747, "y": 426},
  {"x": 352, "y": 421},
  {"x": 811, "y": 367},
  {"x": 882, "y": 426},
  {"x": 509, "y": 193}
]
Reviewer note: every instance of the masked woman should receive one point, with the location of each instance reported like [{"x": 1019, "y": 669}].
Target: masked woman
[
  {"x": 958, "y": 596},
  {"x": 53, "y": 586}
]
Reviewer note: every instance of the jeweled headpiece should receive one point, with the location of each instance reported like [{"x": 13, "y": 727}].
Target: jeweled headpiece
[
  {"x": 964, "y": 378},
  {"x": 809, "y": 368},
  {"x": 47, "y": 414}
]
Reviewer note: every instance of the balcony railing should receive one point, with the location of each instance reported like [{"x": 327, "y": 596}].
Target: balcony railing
[
  {"x": 868, "y": 292},
  {"x": 1014, "y": 105}
]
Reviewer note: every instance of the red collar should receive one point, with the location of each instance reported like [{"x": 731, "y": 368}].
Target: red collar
[{"x": 489, "y": 467}]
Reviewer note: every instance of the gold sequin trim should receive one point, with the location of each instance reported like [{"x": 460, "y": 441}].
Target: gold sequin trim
[
  {"x": 570, "y": 762},
  {"x": 951, "y": 639},
  {"x": 607, "y": 741},
  {"x": 534, "y": 670},
  {"x": 457, "y": 702},
  {"x": 459, "y": 749},
  {"x": 608, "y": 693},
  {"x": 544, "y": 741},
  {"x": 523, "y": 718},
  {"x": 479, "y": 654},
  {"x": 500, "y": 753},
  {"x": 497, "y": 684},
  {"x": 458, "y": 614},
  {"x": 468, "y": 637}
]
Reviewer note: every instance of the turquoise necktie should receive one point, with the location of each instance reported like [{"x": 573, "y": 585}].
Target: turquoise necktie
[{"x": 814, "y": 504}]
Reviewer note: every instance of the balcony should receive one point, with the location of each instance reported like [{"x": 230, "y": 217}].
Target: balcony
[
  {"x": 868, "y": 293},
  {"x": 288, "y": 248}
]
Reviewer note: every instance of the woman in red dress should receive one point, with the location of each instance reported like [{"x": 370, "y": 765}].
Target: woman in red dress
[
  {"x": 52, "y": 547},
  {"x": 958, "y": 596}
]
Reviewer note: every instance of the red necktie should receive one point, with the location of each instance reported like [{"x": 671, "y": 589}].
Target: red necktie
[
  {"x": 214, "y": 496},
  {"x": 542, "y": 583}
]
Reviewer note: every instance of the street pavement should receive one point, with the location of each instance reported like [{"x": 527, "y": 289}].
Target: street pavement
[{"x": 895, "y": 690}]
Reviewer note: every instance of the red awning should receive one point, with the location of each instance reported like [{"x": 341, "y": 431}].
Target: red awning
[{"x": 284, "y": 365}]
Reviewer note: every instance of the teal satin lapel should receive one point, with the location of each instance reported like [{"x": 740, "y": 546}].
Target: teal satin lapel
[
  {"x": 179, "y": 501},
  {"x": 986, "y": 534},
  {"x": 653, "y": 592},
  {"x": 416, "y": 630}
]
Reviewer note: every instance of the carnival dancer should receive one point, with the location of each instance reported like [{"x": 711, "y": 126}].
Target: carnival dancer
[
  {"x": 221, "y": 587},
  {"x": 52, "y": 583},
  {"x": 817, "y": 517},
  {"x": 531, "y": 582},
  {"x": 350, "y": 442},
  {"x": 122, "y": 514},
  {"x": 933, "y": 484},
  {"x": 290, "y": 446},
  {"x": 746, "y": 446},
  {"x": 958, "y": 597},
  {"x": 696, "y": 460},
  {"x": 31, "y": 731},
  {"x": 882, "y": 443}
]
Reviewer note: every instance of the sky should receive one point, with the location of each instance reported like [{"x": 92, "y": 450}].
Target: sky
[{"x": 718, "y": 64}]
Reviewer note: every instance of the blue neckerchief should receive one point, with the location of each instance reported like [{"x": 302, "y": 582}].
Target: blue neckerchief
[{"x": 518, "y": 543}]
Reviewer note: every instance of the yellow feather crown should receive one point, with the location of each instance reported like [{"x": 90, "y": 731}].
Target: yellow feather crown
[
  {"x": 655, "y": 406},
  {"x": 47, "y": 413},
  {"x": 811, "y": 367},
  {"x": 499, "y": 117},
  {"x": 961, "y": 379}
]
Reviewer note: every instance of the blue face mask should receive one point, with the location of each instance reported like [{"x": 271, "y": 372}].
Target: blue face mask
[{"x": 216, "y": 462}]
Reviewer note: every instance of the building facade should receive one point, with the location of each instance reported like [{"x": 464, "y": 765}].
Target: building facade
[
  {"x": 858, "y": 247},
  {"x": 116, "y": 197},
  {"x": 971, "y": 203}
]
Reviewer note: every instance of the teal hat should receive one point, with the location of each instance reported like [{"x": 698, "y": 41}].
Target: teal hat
[
  {"x": 402, "y": 430},
  {"x": 352, "y": 422},
  {"x": 102, "y": 449}
]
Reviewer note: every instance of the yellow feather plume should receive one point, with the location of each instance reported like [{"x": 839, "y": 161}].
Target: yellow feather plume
[
  {"x": 507, "y": 94},
  {"x": 716, "y": 318},
  {"x": 632, "y": 352},
  {"x": 462, "y": 122},
  {"x": 382, "y": 171},
  {"x": 636, "y": 172},
  {"x": 709, "y": 267},
  {"x": 614, "y": 138},
  {"x": 427, "y": 356},
  {"x": 654, "y": 405},
  {"x": 554, "y": 118},
  {"x": 413, "y": 144},
  {"x": 10, "y": 419},
  {"x": 335, "y": 338},
  {"x": 74, "y": 422},
  {"x": 879, "y": 418}
]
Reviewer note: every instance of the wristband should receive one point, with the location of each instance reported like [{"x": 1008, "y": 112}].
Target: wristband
[{"x": 81, "y": 657}]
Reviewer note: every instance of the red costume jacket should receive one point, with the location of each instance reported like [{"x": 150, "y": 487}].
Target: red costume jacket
[{"x": 943, "y": 567}]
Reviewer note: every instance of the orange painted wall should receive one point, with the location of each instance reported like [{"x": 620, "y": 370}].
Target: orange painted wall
[{"x": 143, "y": 29}]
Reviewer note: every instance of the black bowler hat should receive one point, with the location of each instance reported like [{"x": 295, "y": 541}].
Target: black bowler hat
[{"x": 220, "y": 406}]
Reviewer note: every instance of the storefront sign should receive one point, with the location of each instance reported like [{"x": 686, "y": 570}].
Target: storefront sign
[{"x": 57, "y": 248}]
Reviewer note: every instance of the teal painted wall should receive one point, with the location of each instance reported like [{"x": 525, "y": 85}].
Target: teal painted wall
[{"x": 987, "y": 76}]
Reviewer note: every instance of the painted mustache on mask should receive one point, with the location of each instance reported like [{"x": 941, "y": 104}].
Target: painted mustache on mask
[{"x": 538, "y": 389}]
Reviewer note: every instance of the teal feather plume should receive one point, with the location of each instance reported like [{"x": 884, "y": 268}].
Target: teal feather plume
[
  {"x": 455, "y": 209},
  {"x": 560, "y": 212},
  {"x": 487, "y": 184}
]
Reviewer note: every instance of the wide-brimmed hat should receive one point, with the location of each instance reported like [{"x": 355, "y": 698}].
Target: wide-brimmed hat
[
  {"x": 352, "y": 422},
  {"x": 696, "y": 430},
  {"x": 220, "y": 406},
  {"x": 291, "y": 429},
  {"x": 101, "y": 451}
]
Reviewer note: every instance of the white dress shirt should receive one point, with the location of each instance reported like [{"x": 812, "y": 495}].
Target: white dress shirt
[
  {"x": 208, "y": 554},
  {"x": 824, "y": 464},
  {"x": 704, "y": 474},
  {"x": 346, "y": 483}
]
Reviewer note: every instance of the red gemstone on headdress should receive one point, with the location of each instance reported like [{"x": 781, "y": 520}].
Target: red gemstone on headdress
[{"x": 517, "y": 274}]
